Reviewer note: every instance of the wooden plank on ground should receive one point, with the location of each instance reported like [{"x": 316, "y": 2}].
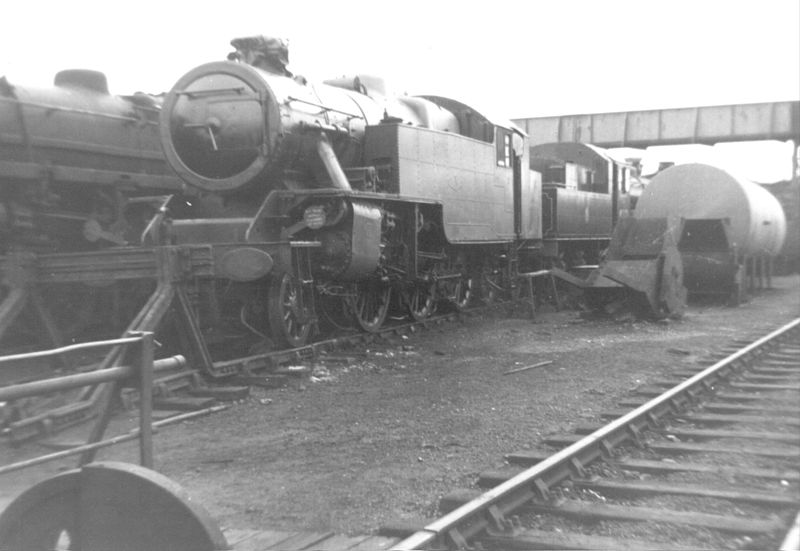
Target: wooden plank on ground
[
  {"x": 528, "y": 458},
  {"x": 183, "y": 403},
  {"x": 338, "y": 543},
  {"x": 375, "y": 543},
  {"x": 263, "y": 540},
  {"x": 223, "y": 393},
  {"x": 235, "y": 536},
  {"x": 302, "y": 540}
]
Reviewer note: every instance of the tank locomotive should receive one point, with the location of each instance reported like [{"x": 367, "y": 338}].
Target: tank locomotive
[
  {"x": 323, "y": 202},
  {"x": 370, "y": 200}
]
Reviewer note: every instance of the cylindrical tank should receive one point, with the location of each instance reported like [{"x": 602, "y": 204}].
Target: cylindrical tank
[{"x": 757, "y": 224}]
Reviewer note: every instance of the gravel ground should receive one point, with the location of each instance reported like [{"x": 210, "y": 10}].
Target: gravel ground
[{"x": 382, "y": 437}]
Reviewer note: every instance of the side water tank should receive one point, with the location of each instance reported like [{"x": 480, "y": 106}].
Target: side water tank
[{"x": 698, "y": 192}]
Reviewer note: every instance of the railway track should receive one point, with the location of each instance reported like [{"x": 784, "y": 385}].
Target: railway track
[{"x": 709, "y": 458}]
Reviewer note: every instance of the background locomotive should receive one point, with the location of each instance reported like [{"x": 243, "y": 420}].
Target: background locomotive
[
  {"x": 73, "y": 161},
  {"x": 368, "y": 199}
]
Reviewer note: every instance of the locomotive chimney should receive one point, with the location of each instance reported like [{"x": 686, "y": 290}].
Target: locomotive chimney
[{"x": 265, "y": 52}]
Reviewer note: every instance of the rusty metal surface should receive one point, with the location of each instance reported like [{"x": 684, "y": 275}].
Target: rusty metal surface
[
  {"x": 643, "y": 259},
  {"x": 711, "y": 124}
]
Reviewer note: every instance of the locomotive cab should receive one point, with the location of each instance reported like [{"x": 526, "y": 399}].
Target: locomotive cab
[{"x": 580, "y": 202}]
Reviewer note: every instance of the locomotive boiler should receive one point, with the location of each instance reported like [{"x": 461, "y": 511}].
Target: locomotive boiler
[
  {"x": 382, "y": 199},
  {"x": 77, "y": 164}
]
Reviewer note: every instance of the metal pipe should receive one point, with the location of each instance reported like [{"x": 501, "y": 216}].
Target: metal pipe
[
  {"x": 146, "y": 369},
  {"x": 108, "y": 442},
  {"x": 33, "y": 388},
  {"x": 69, "y": 348},
  {"x": 328, "y": 157}
]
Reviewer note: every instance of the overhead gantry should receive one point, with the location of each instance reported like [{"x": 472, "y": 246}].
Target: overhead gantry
[{"x": 703, "y": 125}]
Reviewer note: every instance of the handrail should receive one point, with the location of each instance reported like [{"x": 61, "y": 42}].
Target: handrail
[
  {"x": 142, "y": 364},
  {"x": 68, "y": 382},
  {"x": 68, "y": 348}
]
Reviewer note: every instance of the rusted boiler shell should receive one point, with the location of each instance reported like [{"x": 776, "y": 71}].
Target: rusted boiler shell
[{"x": 757, "y": 223}]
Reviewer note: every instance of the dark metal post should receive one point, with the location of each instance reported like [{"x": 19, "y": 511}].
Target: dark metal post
[
  {"x": 532, "y": 297},
  {"x": 146, "y": 400},
  {"x": 555, "y": 293},
  {"x": 770, "y": 268}
]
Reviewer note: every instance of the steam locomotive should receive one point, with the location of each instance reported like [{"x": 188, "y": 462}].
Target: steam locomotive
[
  {"x": 347, "y": 201},
  {"x": 335, "y": 202},
  {"x": 79, "y": 168}
]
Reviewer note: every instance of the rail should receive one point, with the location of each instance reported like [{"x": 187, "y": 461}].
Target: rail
[
  {"x": 140, "y": 353},
  {"x": 491, "y": 508}
]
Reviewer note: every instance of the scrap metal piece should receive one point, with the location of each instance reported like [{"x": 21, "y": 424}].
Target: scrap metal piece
[{"x": 643, "y": 271}]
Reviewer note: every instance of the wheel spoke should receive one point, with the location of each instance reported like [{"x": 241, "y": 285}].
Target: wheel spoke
[
  {"x": 285, "y": 313},
  {"x": 463, "y": 293},
  {"x": 371, "y": 304},
  {"x": 420, "y": 299}
]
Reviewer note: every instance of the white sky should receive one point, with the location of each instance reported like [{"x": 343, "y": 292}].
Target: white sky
[{"x": 513, "y": 58}]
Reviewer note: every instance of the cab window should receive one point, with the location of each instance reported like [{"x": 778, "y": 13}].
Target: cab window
[{"x": 503, "y": 142}]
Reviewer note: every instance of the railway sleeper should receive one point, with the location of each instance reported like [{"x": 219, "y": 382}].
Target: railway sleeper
[
  {"x": 788, "y": 365},
  {"x": 653, "y": 392},
  {"x": 718, "y": 419},
  {"x": 595, "y": 512},
  {"x": 751, "y": 376},
  {"x": 763, "y": 387},
  {"x": 777, "y": 399},
  {"x": 722, "y": 407},
  {"x": 528, "y": 458},
  {"x": 791, "y": 357},
  {"x": 708, "y": 434},
  {"x": 678, "y": 448},
  {"x": 540, "y": 539},
  {"x": 634, "y": 488}
]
